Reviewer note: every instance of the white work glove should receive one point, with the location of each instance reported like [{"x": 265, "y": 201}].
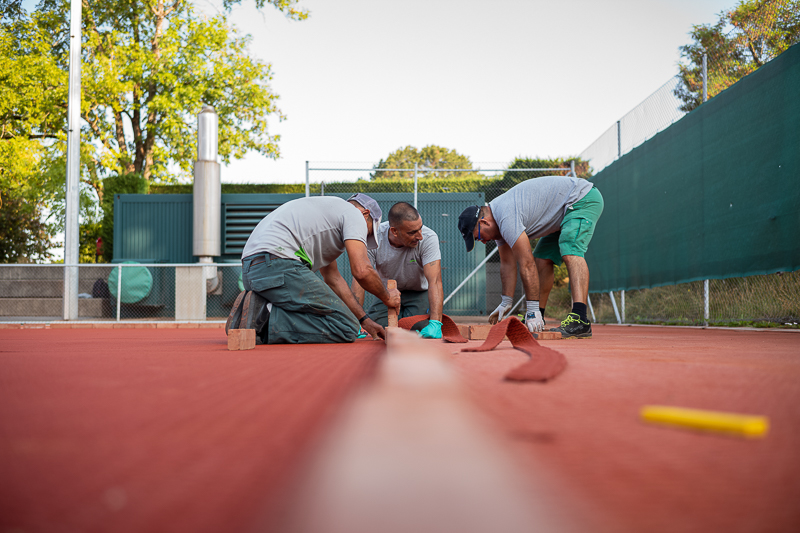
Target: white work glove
[
  {"x": 502, "y": 310},
  {"x": 533, "y": 316}
]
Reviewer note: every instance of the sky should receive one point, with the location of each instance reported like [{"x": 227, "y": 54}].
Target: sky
[{"x": 493, "y": 80}]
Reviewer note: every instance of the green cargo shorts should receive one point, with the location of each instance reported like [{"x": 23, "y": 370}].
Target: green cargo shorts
[{"x": 576, "y": 231}]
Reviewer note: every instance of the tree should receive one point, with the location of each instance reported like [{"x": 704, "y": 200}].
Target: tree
[
  {"x": 32, "y": 102},
  {"x": 514, "y": 177},
  {"x": 428, "y": 159},
  {"x": 148, "y": 66},
  {"x": 740, "y": 42}
]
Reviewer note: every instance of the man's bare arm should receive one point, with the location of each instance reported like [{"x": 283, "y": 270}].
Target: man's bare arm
[
  {"x": 336, "y": 282},
  {"x": 433, "y": 273},
  {"x": 508, "y": 270},
  {"x": 358, "y": 291},
  {"x": 339, "y": 286},
  {"x": 523, "y": 256},
  {"x": 367, "y": 276}
]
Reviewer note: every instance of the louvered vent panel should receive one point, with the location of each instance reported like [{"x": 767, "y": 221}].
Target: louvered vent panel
[{"x": 240, "y": 220}]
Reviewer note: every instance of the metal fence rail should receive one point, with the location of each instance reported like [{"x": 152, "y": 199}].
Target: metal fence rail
[{"x": 117, "y": 292}]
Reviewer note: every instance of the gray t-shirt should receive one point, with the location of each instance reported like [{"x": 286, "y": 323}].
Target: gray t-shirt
[
  {"x": 318, "y": 225},
  {"x": 405, "y": 264},
  {"x": 536, "y": 206}
]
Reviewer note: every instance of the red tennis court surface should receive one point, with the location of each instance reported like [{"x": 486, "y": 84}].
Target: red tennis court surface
[
  {"x": 585, "y": 425},
  {"x": 165, "y": 430}
]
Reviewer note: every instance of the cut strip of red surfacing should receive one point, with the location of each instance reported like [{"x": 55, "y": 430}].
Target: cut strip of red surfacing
[
  {"x": 450, "y": 331},
  {"x": 544, "y": 364},
  {"x": 161, "y": 429}
]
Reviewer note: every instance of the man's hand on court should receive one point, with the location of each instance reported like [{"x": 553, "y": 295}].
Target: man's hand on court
[
  {"x": 432, "y": 331},
  {"x": 533, "y": 316},
  {"x": 394, "y": 299},
  {"x": 534, "y": 322},
  {"x": 502, "y": 310},
  {"x": 374, "y": 329}
]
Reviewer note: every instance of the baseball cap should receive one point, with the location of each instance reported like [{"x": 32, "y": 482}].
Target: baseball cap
[
  {"x": 367, "y": 202},
  {"x": 466, "y": 225}
]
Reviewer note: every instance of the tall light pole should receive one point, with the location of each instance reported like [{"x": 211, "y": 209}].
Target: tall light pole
[{"x": 71, "y": 237}]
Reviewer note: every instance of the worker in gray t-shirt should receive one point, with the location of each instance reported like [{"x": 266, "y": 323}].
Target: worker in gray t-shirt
[
  {"x": 408, "y": 253},
  {"x": 563, "y": 211},
  {"x": 284, "y": 300}
]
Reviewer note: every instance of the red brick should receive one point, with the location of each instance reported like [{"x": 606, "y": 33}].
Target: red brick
[
  {"x": 167, "y": 325},
  {"x": 10, "y": 326},
  {"x": 190, "y": 325},
  {"x": 548, "y": 336},
  {"x": 480, "y": 332},
  {"x": 241, "y": 339}
]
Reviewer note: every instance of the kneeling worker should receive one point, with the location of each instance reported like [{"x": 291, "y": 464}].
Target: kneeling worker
[
  {"x": 286, "y": 302},
  {"x": 408, "y": 252},
  {"x": 563, "y": 211}
]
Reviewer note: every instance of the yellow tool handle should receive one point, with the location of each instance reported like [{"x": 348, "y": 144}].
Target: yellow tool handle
[{"x": 744, "y": 425}]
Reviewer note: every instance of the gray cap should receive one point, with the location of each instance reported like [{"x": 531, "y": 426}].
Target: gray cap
[{"x": 367, "y": 202}]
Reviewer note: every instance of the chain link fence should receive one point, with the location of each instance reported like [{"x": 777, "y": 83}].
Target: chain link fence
[
  {"x": 129, "y": 291},
  {"x": 722, "y": 53},
  {"x": 758, "y": 301}
]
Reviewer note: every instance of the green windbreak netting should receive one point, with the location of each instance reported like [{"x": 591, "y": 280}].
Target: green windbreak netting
[{"x": 715, "y": 195}]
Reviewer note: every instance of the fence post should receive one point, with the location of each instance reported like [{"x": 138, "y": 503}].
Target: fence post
[
  {"x": 73, "y": 181},
  {"x": 705, "y": 78},
  {"x": 308, "y": 189},
  {"x": 119, "y": 288},
  {"x": 416, "y": 168},
  {"x": 322, "y": 188},
  {"x": 591, "y": 309},
  {"x": 705, "y": 99},
  {"x": 619, "y": 139},
  {"x": 622, "y": 305},
  {"x": 614, "y": 305}
]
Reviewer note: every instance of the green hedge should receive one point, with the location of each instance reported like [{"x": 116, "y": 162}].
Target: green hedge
[{"x": 423, "y": 185}]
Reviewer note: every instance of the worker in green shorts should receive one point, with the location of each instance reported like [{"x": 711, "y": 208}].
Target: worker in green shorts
[
  {"x": 408, "y": 253},
  {"x": 285, "y": 301},
  {"x": 563, "y": 211}
]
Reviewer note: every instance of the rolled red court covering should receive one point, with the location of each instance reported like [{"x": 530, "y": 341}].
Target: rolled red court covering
[{"x": 544, "y": 364}]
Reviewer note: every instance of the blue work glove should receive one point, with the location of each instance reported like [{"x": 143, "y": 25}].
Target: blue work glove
[{"x": 432, "y": 331}]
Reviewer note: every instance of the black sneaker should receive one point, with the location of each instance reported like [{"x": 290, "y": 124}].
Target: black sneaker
[
  {"x": 236, "y": 313},
  {"x": 573, "y": 327},
  {"x": 255, "y": 315}
]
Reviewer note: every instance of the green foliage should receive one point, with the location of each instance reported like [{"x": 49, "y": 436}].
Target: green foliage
[
  {"x": 23, "y": 235},
  {"x": 131, "y": 183},
  {"x": 424, "y": 185},
  {"x": 147, "y": 68},
  {"x": 740, "y": 42},
  {"x": 32, "y": 94},
  {"x": 428, "y": 159},
  {"x": 285, "y": 6},
  {"x": 509, "y": 179}
]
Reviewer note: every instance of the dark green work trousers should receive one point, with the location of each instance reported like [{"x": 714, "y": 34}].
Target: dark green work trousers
[
  {"x": 304, "y": 309},
  {"x": 412, "y": 303}
]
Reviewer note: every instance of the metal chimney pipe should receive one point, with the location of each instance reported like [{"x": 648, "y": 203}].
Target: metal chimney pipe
[
  {"x": 207, "y": 189},
  {"x": 207, "y": 192}
]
